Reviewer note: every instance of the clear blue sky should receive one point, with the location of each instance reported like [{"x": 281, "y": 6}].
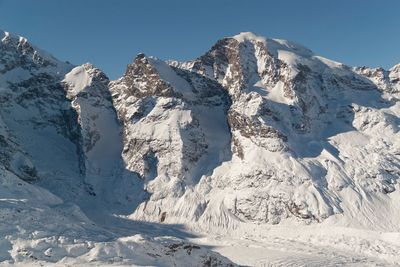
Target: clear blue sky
[{"x": 109, "y": 33}]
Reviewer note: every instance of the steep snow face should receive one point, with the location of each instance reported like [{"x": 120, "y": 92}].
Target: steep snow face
[
  {"x": 79, "y": 78},
  {"x": 100, "y": 132}
]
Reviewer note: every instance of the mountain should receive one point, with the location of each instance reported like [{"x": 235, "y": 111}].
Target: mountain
[
  {"x": 61, "y": 149},
  {"x": 255, "y": 134},
  {"x": 294, "y": 135}
]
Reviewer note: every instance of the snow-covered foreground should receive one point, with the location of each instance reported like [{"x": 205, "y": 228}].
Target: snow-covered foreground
[
  {"x": 117, "y": 241},
  {"x": 39, "y": 229},
  {"x": 308, "y": 246},
  {"x": 288, "y": 244}
]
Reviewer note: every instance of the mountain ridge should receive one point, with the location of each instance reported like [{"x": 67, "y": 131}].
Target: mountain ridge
[{"x": 256, "y": 131}]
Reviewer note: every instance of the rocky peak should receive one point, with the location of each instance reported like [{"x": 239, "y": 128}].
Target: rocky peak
[
  {"x": 141, "y": 78},
  {"x": 16, "y": 51},
  {"x": 385, "y": 80},
  {"x": 19, "y": 43},
  {"x": 241, "y": 61}
]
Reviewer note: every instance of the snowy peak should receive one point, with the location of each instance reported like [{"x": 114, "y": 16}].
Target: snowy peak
[
  {"x": 395, "y": 68},
  {"x": 385, "y": 80},
  {"x": 86, "y": 78},
  {"x": 394, "y": 77},
  {"x": 6, "y": 36},
  {"x": 243, "y": 63},
  {"x": 19, "y": 59},
  {"x": 249, "y": 36},
  {"x": 12, "y": 39},
  {"x": 286, "y": 51},
  {"x": 150, "y": 76},
  {"x": 395, "y": 74},
  {"x": 273, "y": 45},
  {"x": 78, "y": 79}
]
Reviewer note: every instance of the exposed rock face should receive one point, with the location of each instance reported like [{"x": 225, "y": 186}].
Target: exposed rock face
[
  {"x": 17, "y": 52},
  {"x": 388, "y": 81},
  {"x": 32, "y": 102}
]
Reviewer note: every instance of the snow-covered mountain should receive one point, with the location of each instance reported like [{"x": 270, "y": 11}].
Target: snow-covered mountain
[
  {"x": 256, "y": 132},
  {"x": 299, "y": 136},
  {"x": 61, "y": 158}
]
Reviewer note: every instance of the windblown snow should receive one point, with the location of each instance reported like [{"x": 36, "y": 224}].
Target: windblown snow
[{"x": 257, "y": 153}]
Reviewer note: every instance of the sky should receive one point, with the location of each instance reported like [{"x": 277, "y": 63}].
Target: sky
[{"x": 110, "y": 33}]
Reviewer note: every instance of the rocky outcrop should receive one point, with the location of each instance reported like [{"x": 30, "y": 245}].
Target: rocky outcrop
[
  {"x": 33, "y": 101},
  {"x": 388, "y": 81}
]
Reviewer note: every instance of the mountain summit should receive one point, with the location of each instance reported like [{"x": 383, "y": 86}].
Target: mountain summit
[{"x": 255, "y": 132}]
